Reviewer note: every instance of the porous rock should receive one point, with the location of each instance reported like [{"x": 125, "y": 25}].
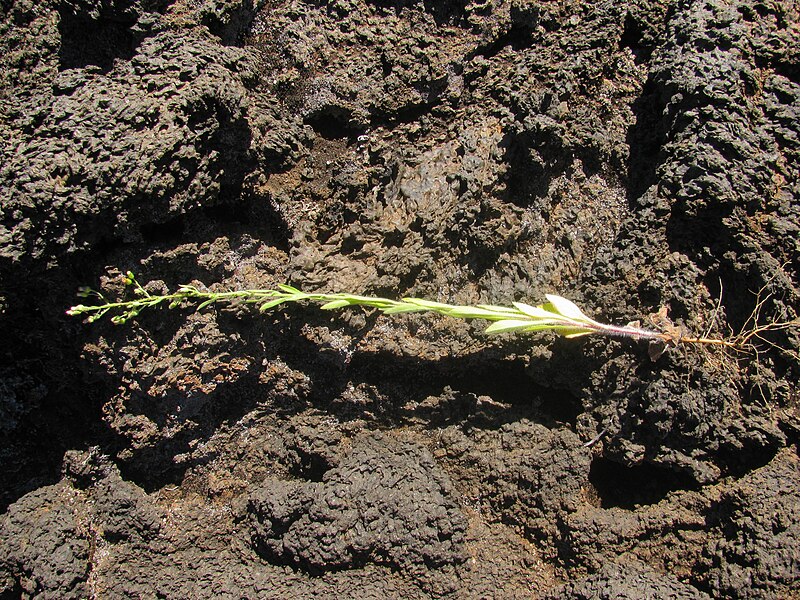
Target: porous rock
[
  {"x": 45, "y": 546},
  {"x": 386, "y": 503},
  {"x": 627, "y": 581}
]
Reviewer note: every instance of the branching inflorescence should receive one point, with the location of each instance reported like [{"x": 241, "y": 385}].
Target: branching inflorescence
[{"x": 557, "y": 314}]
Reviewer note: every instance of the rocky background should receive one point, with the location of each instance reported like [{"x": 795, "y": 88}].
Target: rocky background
[{"x": 627, "y": 155}]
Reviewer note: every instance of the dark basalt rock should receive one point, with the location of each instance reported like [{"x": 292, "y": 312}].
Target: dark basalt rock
[{"x": 627, "y": 155}]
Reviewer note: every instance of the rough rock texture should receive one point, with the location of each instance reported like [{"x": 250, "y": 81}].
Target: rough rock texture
[
  {"x": 529, "y": 475},
  {"x": 46, "y": 547},
  {"x": 714, "y": 184},
  {"x": 628, "y": 581},
  {"x": 759, "y": 519},
  {"x": 632, "y": 156},
  {"x": 734, "y": 540},
  {"x": 385, "y": 503}
]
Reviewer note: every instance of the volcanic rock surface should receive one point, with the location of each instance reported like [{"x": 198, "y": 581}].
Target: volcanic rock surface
[{"x": 630, "y": 156}]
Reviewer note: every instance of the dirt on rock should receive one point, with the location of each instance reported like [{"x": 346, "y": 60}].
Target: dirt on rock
[{"x": 631, "y": 156}]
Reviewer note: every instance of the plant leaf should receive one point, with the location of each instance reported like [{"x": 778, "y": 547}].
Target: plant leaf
[
  {"x": 402, "y": 308},
  {"x": 578, "y": 333},
  {"x": 427, "y": 304},
  {"x": 334, "y": 304},
  {"x": 288, "y": 289},
  {"x": 567, "y": 308},
  {"x": 477, "y": 312},
  {"x": 271, "y": 304},
  {"x": 509, "y": 325},
  {"x": 497, "y": 309},
  {"x": 208, "y": 302},
  {"x": 537, "y": 312}
]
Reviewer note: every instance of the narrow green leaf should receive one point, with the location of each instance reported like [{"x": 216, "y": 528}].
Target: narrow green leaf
[
  {"x": 477, "y": 312},
  {"x": 208, "y": 302},
  {"x": 569, "y": 331},
  {"x": 510, "y": 325},
  {"x": 334, "y": 304},
  {"x": 427, "y": 304},
  {"x": 288, "y": 289},
  {"x": 498, "y": 309},
  {"x": 370, "y": 301},
  {"x": 360, "y": 299},
  {"x": 576, "y": 334},
  {"x": 537, "y": 312},
  {"x": 188, "y": 290},
  {"x": 567, "y": 308},
  {"x": 271, "y": 304},
  {"x": 402, "y": 308}
]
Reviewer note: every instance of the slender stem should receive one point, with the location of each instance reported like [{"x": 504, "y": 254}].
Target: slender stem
[
  {"x": 558, "y": 315},
  {"x": 627, "y": 331}
]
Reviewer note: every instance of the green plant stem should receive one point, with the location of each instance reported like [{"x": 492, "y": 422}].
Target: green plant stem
[{"x": 558, "y": 314}]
